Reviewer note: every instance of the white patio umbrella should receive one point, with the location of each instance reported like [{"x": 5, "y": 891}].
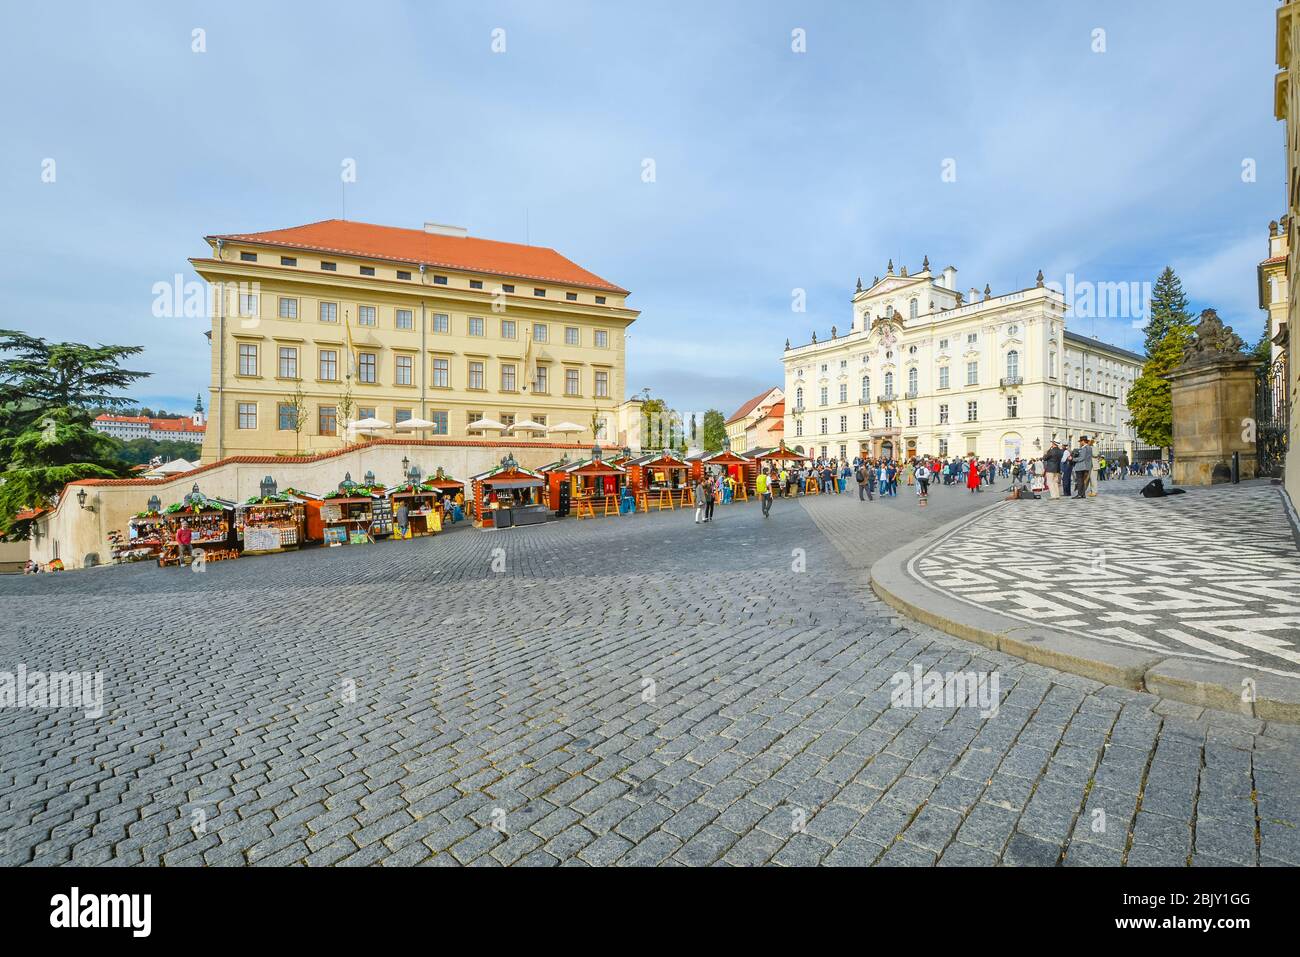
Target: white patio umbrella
[
  {"x": 414, "y": 424},
  {"x": 486, "y": 425},
  {"x": 528, "y": 425},
  {"x": 368, "y": 425},
  {"x": 562, "y": 427}
]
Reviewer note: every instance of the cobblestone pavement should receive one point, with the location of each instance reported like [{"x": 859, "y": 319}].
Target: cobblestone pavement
[
  {"x": 631, "y": 691},
  {"x": 1213, "y": 575}
]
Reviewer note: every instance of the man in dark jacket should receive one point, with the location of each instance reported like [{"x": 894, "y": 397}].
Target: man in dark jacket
[{"x": 1052, "y": 469}]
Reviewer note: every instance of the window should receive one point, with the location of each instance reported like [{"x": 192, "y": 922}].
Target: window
[
  {"x": 571, "y": 336},
  {"x": 405, "y": 319},
  {"x": 571, "y": 296},
  {"x": 602, "y": 384},
  {"x": 247, "y": 358},
  {"x": 508, "y": 383},
  {"x": 405, "y": 367},
  {"x": 440, "y": 280},
  {"x": 844, "y": 392},
  {"x": 327, "y": 422},
  {"x": 248, "y": 415},
  {"x": 844, "y": 423},
  {"x": 329, "y": 267},
  {"x": 798, "y": 428},
  {"x": 912, "y": 378},
  {"x": 367, "y": 365},
  {"x": 476, "y": 375},
  {"x": 367, "y": 270},
  {"x": 401, "y": 415},
  {"x": 329, "y": 312},
  {"x": 508, "y": 329},
  {"x": 572, "y": 382},
  {"x": 972, "y": 373},
  {"x": 441, "y": 322},
  {"x": 822, "y": 395},
  {"x": 866, "y": 420},
  {"x": 866, "y": 387},
  {"x": 476, "y": 284},
  {"x": 508, "y": 287},
  {"x": 248, "y": 304},
  {"x": 600, "y": 300},
  {"x": 506, "y": 418},
  {"x": 913, "y": 309},
  {"x": 972, "y": 411},
  {"x": 823, "y": 424},
  {"x": 1013, "y": 365},
  {"x": 475, "y": 326},
  {"x": 248, "y": 257},
  {"x": 972, "y": 338},
  {"x": 288, "y": 260},
  {"x": 943, "y": 448},
  {"x": 943, "y": 414},
  {"x": 439, "y": 420},
  {"x": 540, "y": 293},
  {"x": 1051, "y": 364},
  {"x": 943, "y": 343},
  {"x": 442, "y": 373},
  {"x": 911, "y": 416},
  {"x": 1051, "y": 404},
  {"x": 889, "y": 418},
  {"x": 889, "y": 383},
  {"x": 329, "y": 365},
  {"x": 288, "y": 308},
  {"x": 542, "y": 383},
  {"x": 365, "y": 412},
  {"x": 539, "y": 332},
  {"x": 366, "y": 316},
  {"x": 288, "y": 362},
  {"x": 1013, "y": 407},
  {"x": 943, "y": 377},
  {"x": 471, "y": 417},
  {"x": 1092, "y": 411},
  {"x": 404, "y": 274},
  {"x": 287, "y": 417},
  {"x": 798, "y": 398}
]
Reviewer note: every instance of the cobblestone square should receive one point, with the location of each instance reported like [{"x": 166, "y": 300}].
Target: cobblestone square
[{"x": 623, "y": 691}]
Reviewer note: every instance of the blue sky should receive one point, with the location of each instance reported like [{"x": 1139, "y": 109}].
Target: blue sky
[{"x": 774, "y": 170}]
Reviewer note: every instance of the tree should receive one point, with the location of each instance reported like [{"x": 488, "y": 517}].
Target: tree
[
  {"x": 715, "y": 431},
  {"x": 143, "y": 451},
  {"x": 46, "y": 437},
  {"x": 1168, "y": 332},
  {"x": 343, "y": 415},
  {"x": 297, "y": 403},
  {"x": 653, "y": 411},
  {"x": 1168, "y": 308}
]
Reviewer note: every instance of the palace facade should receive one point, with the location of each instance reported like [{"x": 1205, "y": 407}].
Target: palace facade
[
  {"x": 400, "y": 324},
  {"x": 927, "y": 370}
]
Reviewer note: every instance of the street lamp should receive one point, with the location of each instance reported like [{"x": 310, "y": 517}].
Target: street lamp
[
  {"x": 155, "y": 503},
  {"x": 81, "y": 500},
  {"x": 406, "y": 467}
]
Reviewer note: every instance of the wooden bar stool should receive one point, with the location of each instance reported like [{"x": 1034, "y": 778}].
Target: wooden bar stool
[
  {"x": 665, "y": 500},
  {"x": 611, "y": 504},
  {"x": 584, "y": 508},
  {"x": 642, "y": 501}
]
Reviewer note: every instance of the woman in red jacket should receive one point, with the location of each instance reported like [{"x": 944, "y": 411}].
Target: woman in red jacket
[{"x": 973, "y": 475}]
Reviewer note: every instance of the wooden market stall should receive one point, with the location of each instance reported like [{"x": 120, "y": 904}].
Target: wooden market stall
[
  {"x": 728, "y": 464},
  {"x": 778, "y": 457},
  {"x": 591, "y": 484},
  {"x": 661, "y": 480},
  {"x": 355, "y": 514},
  {"x": 144, "y": 536},
  {"x": 507, "y": 495},
  {"x": 212, "y": 526},
  {"x": 423, "y": 508},
  {"x": 271, "y": 523}
]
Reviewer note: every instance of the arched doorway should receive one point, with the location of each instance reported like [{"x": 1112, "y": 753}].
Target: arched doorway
[{"x": 886, "y": 449}]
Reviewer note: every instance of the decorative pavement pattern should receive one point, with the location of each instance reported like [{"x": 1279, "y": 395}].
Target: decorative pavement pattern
[
  {"x": 1212, "y": 575},
  {"x": 631, "y": 691}
]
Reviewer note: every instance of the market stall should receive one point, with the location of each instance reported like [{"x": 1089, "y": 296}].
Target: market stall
[
  {"x": 661, "y": 479},
  {"x": 451, "y": 495},
  {"x": 591, "y": 484},
  {"x": 272, "y": 522},
  {"x": 144, "y": 536},
  {"x": 730, "y": 465},
  {"x": 423, "y": 508},
  {"x": 355, "y": 514},
  {"x": 212, "y": 526},
  {"x": 507, "y": 495}
]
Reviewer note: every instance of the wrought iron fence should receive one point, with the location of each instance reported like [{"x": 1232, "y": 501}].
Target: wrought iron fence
[{"x": 1272, "y": 417}]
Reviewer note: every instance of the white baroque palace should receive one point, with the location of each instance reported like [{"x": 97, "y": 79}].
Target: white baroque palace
[{"x": 926, "y": 370}]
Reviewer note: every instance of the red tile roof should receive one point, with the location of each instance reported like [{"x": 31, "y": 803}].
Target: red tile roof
[
  {"x": 749, "y": 406},
  {"x": 176, "y": 425},
  {"x": 416, "y": 246}
]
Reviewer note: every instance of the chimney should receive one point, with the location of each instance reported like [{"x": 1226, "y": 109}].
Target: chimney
[
  {"x": 439, "y": 229},
  {"x": 950, "y": 278}
]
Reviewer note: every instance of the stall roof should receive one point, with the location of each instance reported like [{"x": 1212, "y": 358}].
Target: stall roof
[
  {"x": 778, "y": 452},
  {"x": 660, "y": 458},
  {"x": 727, "y": 457},
  {"x": 518, "y": 472},
  {"x": 514, "y": 482},
  {"x": 592, "y": 467}
]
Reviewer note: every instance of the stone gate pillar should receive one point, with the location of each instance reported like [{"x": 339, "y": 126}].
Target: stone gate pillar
[{"x": 1213, "y": 399}]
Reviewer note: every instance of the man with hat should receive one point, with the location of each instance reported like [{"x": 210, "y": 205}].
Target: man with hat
[{"x": 1052, "y": 469}]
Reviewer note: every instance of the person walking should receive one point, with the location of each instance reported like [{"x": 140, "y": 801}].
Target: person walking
[
  {"x": 763, "y": 486},
  {"x": 698, "y": 491},
  {"x": 1082, "y": 470},
  {"x": 922, "y": 474},
  {"x": 973, "y": 476},
  {"x": 1052, "y": 470},
  {"x": 184, "y": 544},
  {"x": 710, "y": 496},
  {"x": 403, "y": 519},
  {"x": 1067, "y": 467}
]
